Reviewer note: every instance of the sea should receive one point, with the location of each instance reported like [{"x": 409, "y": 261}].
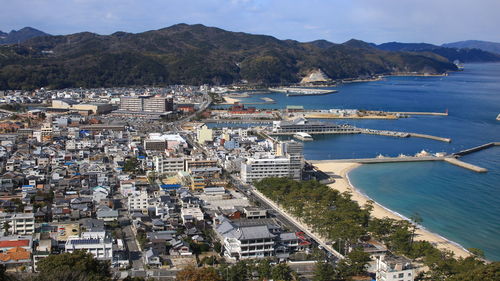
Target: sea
[{"x": 458, "y": 204}]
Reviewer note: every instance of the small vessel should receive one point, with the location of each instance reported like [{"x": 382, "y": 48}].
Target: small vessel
[
  {"x": 303, "y": 136},
  {"x": 498, "y": 117}
]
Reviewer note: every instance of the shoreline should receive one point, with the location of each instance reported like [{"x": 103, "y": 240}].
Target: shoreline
[
  {"x": 342, "y": 183},
  {"x": 230, "y": 100}
]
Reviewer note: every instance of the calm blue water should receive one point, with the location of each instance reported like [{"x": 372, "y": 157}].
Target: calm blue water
[{"x": 456, "y": 203}]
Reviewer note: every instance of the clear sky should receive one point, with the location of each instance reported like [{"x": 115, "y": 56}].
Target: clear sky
[{"x": 378, "y": 21}]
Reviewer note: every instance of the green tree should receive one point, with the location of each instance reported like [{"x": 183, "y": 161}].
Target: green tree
[
  {"x": 416, "y": 219},
  {"x": 324, "y": 271},
  {"x": 264, "y": 269},
  {"x": 192, "y": 273},
  {"x": 282, "y": 272},
  {"x": 355, "y": 263},
  {"x": 131, "y": 165},
  {"x": 76, "y": 266}
]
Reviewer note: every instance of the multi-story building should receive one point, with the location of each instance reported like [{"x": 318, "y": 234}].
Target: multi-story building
[
  {"x": 168, "y": 165},
  {"x": 146, "y": 103},
  {"x": 293, "y": 150},
  {"x": 391, "y": 268},
  {"x": 245, "y": 242},
  {"x": 138, "y": 201},
  {"x": 98, "y": 243},
  {"x": 255, "y": 169},
  {"x": 19, "y": 223},
  {"x": 204, "y": 134},
  {"x": 131, "y": 103}
]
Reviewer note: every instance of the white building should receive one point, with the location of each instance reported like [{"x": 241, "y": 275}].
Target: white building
[
  {"x": 244, "y": 242},
  {"x": 204, "y": 134},
  {"x": 191, "y": 214},
  {"x": 168, "y": 165},
  {"x": 98, "y": 243},
  {"x": 255, "y": 169},
  {"x": 19, "y": 223},
  {"x": 138, "y": 200},
  {"x": 390, "y": 268}
]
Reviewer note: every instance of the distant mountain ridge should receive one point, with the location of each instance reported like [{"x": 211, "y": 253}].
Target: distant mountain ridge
[
  {"x": 452, "y": 54},
  {"x": 21, "y": 35},
  {"x": 487, "y": 46},
  {"x": 194, "y": 54}
]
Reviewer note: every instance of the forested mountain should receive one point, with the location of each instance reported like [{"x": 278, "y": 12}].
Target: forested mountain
[
  {"x": 193, "y": 54},
  {"x": 452, "y": 54},
  {"x": 21, "y": 35},
  {"x": 491, "y": 47}
]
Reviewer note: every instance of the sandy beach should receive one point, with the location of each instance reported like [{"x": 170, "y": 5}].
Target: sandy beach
[
  {"x": 230, "y": 100},
  {"x": 342, "y": 184}
]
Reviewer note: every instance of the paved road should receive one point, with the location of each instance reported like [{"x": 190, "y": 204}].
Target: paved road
[
  {"x": 279, "y": 214},
  {"x": 135, "y": 255}
]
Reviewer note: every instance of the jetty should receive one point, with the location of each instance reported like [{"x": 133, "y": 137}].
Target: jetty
[
  {"x": 456, "y": 162},
  {"x": 419, "y": 113},
  {"x": 296, "y": 91},
  {"x": 452, "y": 159},
  {"x": 402, "y": 134},
  {"x": 477, "y": 148},
  {"x": 382, "y": 160},
  {"x": 238, "y": 121}
]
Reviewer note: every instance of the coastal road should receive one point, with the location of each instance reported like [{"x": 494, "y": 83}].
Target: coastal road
[{"x": 279, "y": 214}]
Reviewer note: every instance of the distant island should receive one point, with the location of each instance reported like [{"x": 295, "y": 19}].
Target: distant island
[{"x": 197, "y": 54}]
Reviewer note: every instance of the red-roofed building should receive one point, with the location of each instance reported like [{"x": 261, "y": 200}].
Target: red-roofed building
[{"x": 14, "y": 243}]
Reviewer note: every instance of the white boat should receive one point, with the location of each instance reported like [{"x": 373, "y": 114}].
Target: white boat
[{"x": 303, "y": 136}]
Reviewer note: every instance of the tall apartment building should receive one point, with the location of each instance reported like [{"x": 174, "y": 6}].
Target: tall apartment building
[
  {"x": 19, "y": 223},
  {"x": 295, "y": 151},
  {"x": 255, "y": 169},
  {"x": 146, "y": 103}
]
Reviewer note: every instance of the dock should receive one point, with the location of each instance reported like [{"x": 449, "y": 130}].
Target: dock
[
  {"x": 477, "y": 148},
  {"x": 450, "y": 159},
  {"x": 419, "y": 113},
  {"x": 429, "y": 137},
  {"x": 403, "y": 135},
  {"x": 370, "y": 132},
  {"x": 382, "y": 160},
  {"x": 237, "y": 121},
  {"x": 468, "y": 166}
]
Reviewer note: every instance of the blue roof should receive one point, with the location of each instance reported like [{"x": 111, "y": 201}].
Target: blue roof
[{"x": 170, "y": 186}]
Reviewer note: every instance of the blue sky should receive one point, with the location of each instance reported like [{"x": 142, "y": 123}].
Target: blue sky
[{"x": 433, "y": 21}]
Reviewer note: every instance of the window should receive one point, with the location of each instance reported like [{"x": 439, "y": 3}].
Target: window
[{"x": 401, "y": 275}]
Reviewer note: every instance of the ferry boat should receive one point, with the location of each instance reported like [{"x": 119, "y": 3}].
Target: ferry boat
[{"x": 303, "y": 136}]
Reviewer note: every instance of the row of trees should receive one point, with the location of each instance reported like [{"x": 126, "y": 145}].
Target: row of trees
[{"x": 335, "y": 216}]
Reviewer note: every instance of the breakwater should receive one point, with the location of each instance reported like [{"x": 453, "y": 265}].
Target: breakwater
[{"x": 477, "y": 148}]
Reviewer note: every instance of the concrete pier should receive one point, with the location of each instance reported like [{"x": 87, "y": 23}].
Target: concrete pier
[
  {"x": 381, "y": 160},
  {"x": 477, "y": 148},
  {"x": 468, "y": 166},
  {"x": 449, "y": 159},
  {"x": 429, "y": 137},
  {"x": 420, "y": 113}
]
